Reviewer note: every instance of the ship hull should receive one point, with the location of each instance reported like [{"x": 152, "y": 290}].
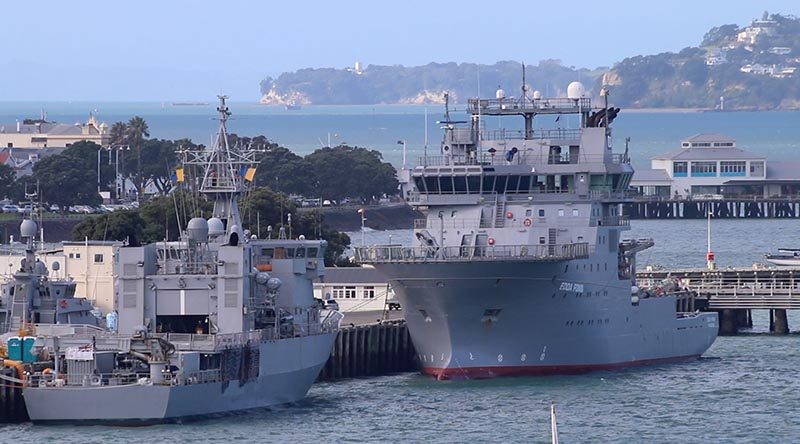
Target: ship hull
[
  {"x": 483, "y": 320},
  {"x": 280, "y": 381}
]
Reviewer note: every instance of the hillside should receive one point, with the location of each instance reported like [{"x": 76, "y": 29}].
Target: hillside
[
  {"x": 376, "y": 84},
  {"x": 751, "y": 67}
]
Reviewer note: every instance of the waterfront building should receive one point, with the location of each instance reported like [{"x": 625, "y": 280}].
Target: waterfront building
[
  {"x": 36, "y": 134},
  {"x": 712, "y": 165},
  {"x": 355, "y": 288}
]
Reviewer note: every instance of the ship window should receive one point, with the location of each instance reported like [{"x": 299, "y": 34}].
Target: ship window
[
  {"x": 98, "y": 258},
  {"x": 541, "y": 213},
  {"x": 432, "y": 184},
  {"x": 575, "y": 212},
  {"x": 474, "y": 184},
  {"x": 500, "y": 184},
  {"x": 513, "y": 183},
  {"x": 419, "y": 183},
  {"x": 268, "y": 253},
  {"x": 580, "y": 239},
  {"x": 290, "y": 253},
  {"x": 524, "y": 184},
  {"x": 488, "y": 183},
  {"x": 528, "y": 212},
  {"x": 312, "y": 252},
  {"x": 446, "y": 184},
  {"x": 560, "y": 212},
  {"x": 301, "y": 252},
  {"x": 541, "y": 240},
  {"x": 460, "y": 184}
]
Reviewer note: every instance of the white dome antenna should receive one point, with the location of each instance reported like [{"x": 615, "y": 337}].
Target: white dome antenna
[{"x": 576, "y": 91}]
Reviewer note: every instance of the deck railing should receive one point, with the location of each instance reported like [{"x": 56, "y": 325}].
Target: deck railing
[{"x": 510, "y": 253}]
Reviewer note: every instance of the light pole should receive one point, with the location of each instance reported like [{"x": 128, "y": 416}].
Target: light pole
[
  {"x": 99, "y": 150},
  {"x": 363, "y": 220},
  {"x": 403, "y": 142}
]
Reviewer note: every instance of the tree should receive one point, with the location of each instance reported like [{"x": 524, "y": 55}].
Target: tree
[
  {"x": 118, "y": 133},
  {"x": 159, "y": 160},
  {"x": 285, "y": 171},
  {"x": 137, "y": 131},
  {"x": 346, "y": 171},
  {"x": 120, "y": 225},
  {"x": 719, "y": 35},
  {"x": 64, "y": 180},
  {"x": 7, "y": 180}
]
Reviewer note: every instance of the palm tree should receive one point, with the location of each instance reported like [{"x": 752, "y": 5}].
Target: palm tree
[
  {"x": 118, "y": 133},
  {"x": 137, "y": 131}
]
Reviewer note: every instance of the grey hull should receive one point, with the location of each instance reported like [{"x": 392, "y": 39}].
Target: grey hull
[
  {"x": 281, "y": 380},
  {"x": 474, "y": 320}
]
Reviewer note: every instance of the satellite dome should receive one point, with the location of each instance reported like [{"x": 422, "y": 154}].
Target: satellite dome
[
  {"x": 273, "y": 284},
  {"x": 197, "y": 229},
  {"x": 537, "y": 95},
  {"x": 575, "y": 90},
  {"x": 28, "y": 228},
  {"x": 500, "y": 94},
  {"x": 215, "y": 227}
]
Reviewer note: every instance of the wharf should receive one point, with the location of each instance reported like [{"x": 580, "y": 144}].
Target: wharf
[
  {"x": 735, "y": 292},
  {"x": 726, "y": 208}
]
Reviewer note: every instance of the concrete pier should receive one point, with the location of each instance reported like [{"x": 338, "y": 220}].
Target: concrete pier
[
  {"x": 779, "y": 324},
  {"x": 12, "y": 405}
]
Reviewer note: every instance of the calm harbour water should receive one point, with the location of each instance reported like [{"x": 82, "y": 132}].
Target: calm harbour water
[{"x": 745, "y": 389}]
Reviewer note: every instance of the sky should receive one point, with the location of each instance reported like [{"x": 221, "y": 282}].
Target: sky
[{"x": 170, "y": 50}]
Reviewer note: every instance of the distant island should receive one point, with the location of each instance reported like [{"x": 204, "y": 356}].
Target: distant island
[{"x": 753, "y": 67}]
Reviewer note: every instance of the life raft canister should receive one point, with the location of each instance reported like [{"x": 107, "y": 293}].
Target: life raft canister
[
  {"x": 527, "y": 222},
  {"x": 509, "y": 215},
  {"x": 490, "y": 241}
]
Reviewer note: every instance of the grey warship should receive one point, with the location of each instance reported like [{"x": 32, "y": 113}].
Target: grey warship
[
  {"x": 218, "y": 321},
  {"x": 521, "y": 268}
]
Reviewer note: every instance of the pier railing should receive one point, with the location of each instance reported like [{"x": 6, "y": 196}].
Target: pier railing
[{"x": 510, "y": 253}]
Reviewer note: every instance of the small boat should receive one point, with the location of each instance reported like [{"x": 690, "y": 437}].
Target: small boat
[
  {"x": 785, "y": 257},
  {"x": 292, "y": 106}
]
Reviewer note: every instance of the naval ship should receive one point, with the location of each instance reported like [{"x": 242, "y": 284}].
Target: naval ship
[
  {"x": 520, "y": 268},
  {"x": 215, "y": 322}
]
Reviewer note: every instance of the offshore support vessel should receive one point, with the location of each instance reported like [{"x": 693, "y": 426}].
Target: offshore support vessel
[
  {"x": 520, "y": 267},
  {"x": 215, "y": 322}
]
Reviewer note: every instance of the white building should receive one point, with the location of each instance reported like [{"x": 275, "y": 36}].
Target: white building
[
  {"x": 42, "y": 134},
  {"x": 355, "y": 288},
  {"x": 90, "y": 264},
  {"x": 711, "y": 164}
]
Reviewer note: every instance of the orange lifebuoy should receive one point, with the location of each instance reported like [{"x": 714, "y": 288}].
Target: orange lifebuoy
[
  {"x": 527, "y": 222},
  {"x": 490, "y": 241},
  {"x": 62, "y": 303},
  {"x": 509, "y": 215}
]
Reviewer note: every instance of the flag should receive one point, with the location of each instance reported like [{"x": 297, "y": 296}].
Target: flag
[
  {"x": 250, "y": 174},
  {"x": 179, "y": 175},
  {"x": 242, "y": 171}
]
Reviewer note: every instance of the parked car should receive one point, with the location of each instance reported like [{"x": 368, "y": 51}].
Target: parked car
[
  {"x": 330, "y": 304},
  {"x": 394, "y": 306},
  {"x": 10, "y": 208}
]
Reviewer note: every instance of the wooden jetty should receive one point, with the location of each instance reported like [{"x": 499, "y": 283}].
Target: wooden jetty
[
  {"x": 370, "y": 350},
  {"x": 727, "y": 208},
  {"x": 735, "y": 292}
]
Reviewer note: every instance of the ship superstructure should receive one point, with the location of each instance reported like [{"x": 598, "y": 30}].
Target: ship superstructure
[
  {"x": 215, "y": 322},
  {"x": 520, "y": 267}
]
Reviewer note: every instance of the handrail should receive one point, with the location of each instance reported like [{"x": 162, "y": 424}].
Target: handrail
[{"x": 398, "y": 254}]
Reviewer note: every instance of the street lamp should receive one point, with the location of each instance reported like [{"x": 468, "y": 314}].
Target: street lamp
[
  {"x": 403, "y": 142},
  {"x": 117, "y": 149}
]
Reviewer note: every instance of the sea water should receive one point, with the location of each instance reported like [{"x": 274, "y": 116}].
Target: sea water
[{"x": 745, "y": 388}]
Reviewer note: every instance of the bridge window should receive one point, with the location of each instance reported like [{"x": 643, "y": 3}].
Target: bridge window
[
  {"x": 474, "y": 184},
  {"x": 488, "y": 183},
  {"x": 500, "y": 184},
  {"x": 460, "y": 184},
  {"x": 419, "y": 183},
  {"x": 432, "y": 185},
  {"x": 446, "y": 184},
  {"x": 524, "y": 184},
  {"x": 513, "y": 183}
]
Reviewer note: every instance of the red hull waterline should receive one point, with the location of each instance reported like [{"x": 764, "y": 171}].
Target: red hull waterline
[{"x": 541, "y": 370}]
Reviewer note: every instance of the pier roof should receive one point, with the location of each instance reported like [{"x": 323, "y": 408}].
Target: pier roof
[
  {"x": 354, "y": 275},
  {"x": 651, "y": 175},
  {"x": 709, "y": 154}
]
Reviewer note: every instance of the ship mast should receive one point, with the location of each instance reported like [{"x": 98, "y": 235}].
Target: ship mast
[{"x": 223, "y": 169}]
